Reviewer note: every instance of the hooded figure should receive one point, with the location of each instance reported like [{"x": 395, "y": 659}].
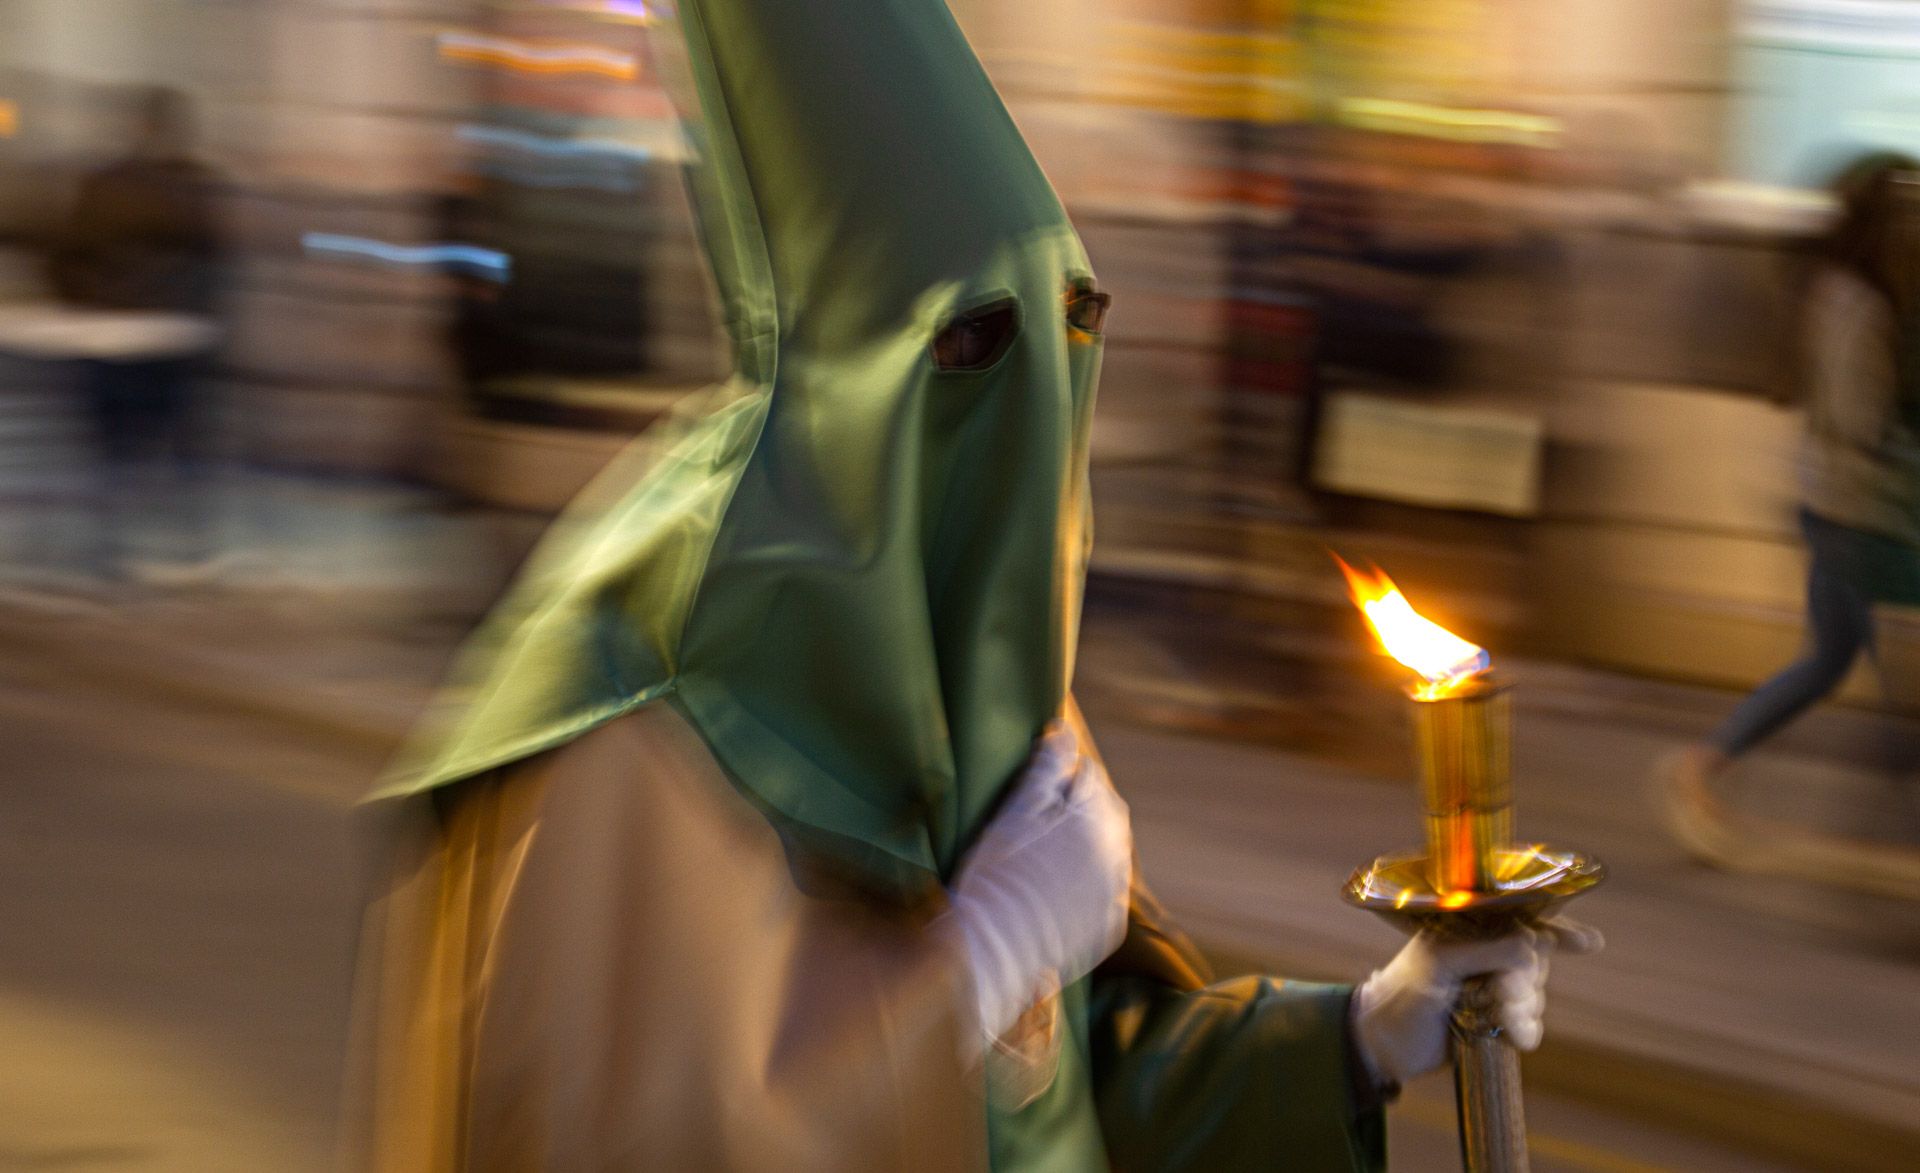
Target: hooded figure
[{"x": 722, "y": 754}]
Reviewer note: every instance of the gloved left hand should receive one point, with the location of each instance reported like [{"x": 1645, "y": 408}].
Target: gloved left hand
[
  {"x": 1042, "y": 897},
  {"x": 1401, "y": 1013}
]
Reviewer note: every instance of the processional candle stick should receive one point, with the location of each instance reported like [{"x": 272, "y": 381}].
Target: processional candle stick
[{"x": 1472, "y": 881}]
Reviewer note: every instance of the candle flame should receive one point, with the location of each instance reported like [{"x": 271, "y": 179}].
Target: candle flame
[{"x": 1444, "y": 660}]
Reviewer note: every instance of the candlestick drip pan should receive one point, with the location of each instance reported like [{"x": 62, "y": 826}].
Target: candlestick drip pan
[{"x": 1530, "y": 882}]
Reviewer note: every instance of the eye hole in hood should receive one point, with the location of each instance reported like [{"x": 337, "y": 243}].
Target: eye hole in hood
[
  {"x": 978, "y": 338},
  {"x": 1087, "y": 309}
]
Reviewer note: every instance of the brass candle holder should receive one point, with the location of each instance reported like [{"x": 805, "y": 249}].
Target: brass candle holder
[{"x": 1472, "y": 881}]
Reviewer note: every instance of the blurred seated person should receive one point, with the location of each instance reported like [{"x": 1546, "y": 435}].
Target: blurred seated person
[{"x": 139, "y": 254}]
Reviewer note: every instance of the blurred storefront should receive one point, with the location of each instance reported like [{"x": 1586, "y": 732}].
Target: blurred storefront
[
  {"x": 1499, "y": 294},
  {"x": 441, "y": 216},
  {"x": 600, "y": 320},
  {"x": 1493, "y": 292}
]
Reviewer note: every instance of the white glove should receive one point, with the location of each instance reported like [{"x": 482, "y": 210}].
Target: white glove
[
  {"x": 1042, "y": 897},
  {"x": 1401, "y": 1013}
]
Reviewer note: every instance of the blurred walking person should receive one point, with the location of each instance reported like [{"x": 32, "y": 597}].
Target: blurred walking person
[
  {"x": 140, "y": 254},
  {"x": 1860, "y": 467}
]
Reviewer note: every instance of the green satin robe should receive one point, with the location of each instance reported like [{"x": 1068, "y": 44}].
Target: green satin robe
[{"x": 858, "y": 576}]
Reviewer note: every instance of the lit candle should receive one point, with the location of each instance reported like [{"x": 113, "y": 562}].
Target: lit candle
[
  {"x": 1462, "y": 731},
  {"x": 1471, "y": 883}
]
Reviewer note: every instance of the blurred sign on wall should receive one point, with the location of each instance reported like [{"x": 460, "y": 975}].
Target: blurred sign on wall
[{"x": 1437, "y": 455}]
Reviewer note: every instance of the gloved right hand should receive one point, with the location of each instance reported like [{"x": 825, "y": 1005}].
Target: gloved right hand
[
  {"x": 1043, "y": 894},
  {"x": 1400, "y": 1014}
]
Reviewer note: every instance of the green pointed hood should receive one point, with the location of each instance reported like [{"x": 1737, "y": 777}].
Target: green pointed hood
[{"x": 859, "y": 575}]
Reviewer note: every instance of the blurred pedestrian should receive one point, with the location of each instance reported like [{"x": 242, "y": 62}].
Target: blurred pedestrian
[
  {"x": 1859, "y": 375},
  {"x": 140, "y": 256}
]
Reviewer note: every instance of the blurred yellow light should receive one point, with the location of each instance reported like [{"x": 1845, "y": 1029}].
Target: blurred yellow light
[
  {"x": 9, "y": 119},
  {"x": 1441, "y": 658},
  {"x": 1454, "y": 124},
  {"x": 1205, "y": 73}
]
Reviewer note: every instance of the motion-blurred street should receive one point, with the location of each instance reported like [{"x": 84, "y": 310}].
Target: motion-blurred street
[
  {"x": 182, "y": 848},
  {"x": 1596, "y": 323}
]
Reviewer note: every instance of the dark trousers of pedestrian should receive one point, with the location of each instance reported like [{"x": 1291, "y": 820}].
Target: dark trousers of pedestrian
[
  {"x": 148, "y": 438},
  {"x": 1839, "y": 628}
]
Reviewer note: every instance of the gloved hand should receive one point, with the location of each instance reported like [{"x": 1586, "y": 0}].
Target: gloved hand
[
  {"x": 1400, "y": 1014},
  {"x": 1043, "y": 894}
]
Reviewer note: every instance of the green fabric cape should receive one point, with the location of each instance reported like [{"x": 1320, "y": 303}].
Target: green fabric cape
[{"x": 858, "y": 575}]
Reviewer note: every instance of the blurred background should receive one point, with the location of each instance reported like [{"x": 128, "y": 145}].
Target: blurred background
[{"x": 313, "y": 313}]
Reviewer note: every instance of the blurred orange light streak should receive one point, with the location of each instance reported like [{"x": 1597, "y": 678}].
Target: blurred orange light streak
[
  {"x": 539, "y": 57},
  {"x": 9, "y": 119}
]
